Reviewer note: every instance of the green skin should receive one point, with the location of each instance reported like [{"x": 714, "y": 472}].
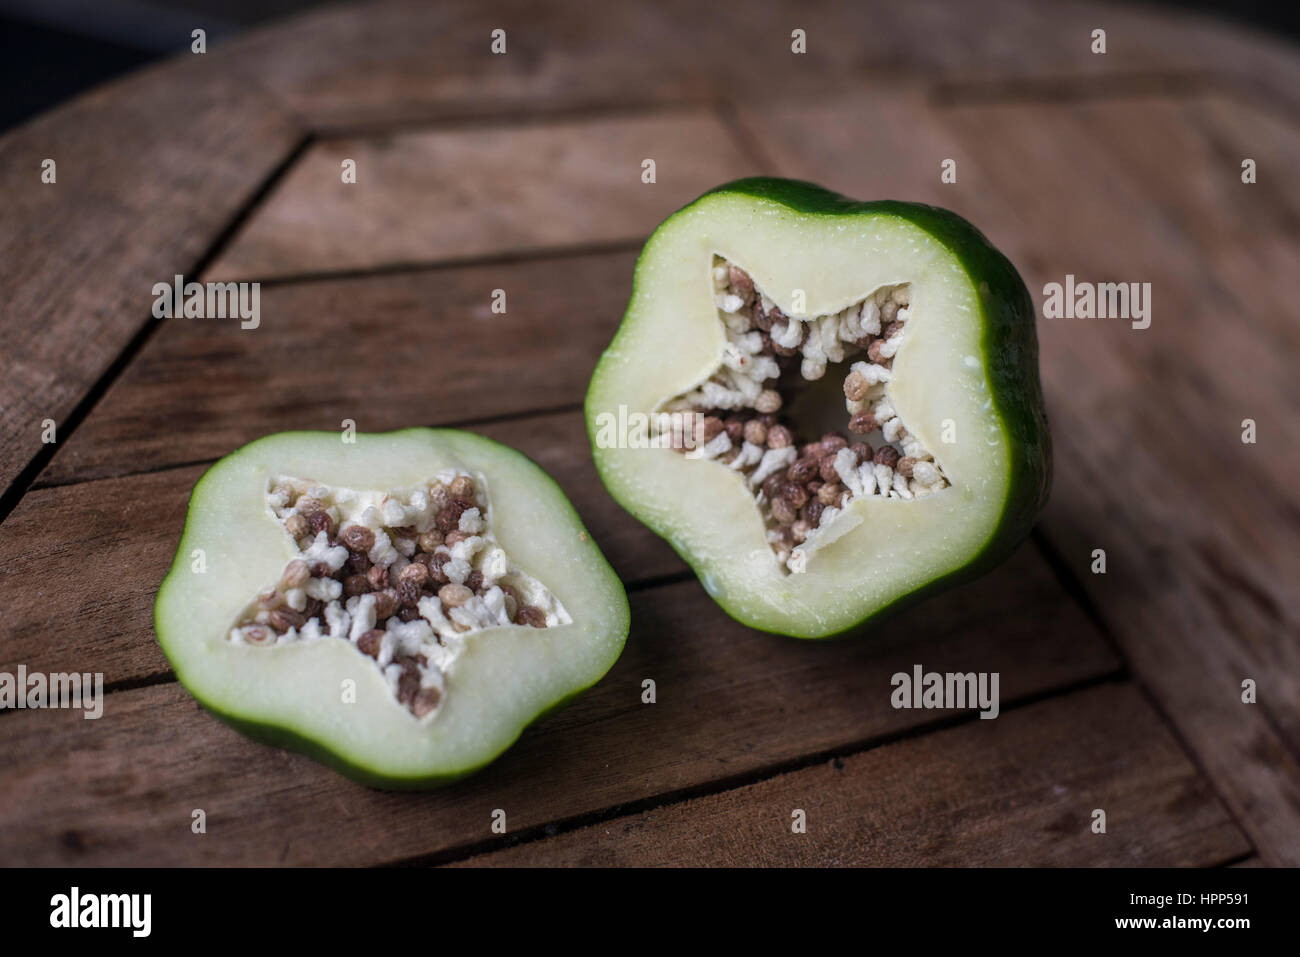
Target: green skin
[
  {"x": 320, "y": 750},
  {"x": 1009, "y": 346}
]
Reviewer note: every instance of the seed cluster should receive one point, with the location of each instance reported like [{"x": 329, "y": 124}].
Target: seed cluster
[
  {"x": 801, "y": 485},
  {"x": 403, "y": 576}
]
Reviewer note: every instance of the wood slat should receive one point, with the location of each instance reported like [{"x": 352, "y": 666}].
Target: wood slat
[
  {"x": 385, "y": 351},
  {"x": 83, "y": 561},
  {"x": 731, "y": 703},
  {"x": 1017, "y": 791},
  {"x": 427, "y": 197},
  {"x": 149, "y": 171},
  {"x": 1198, "y": 527},
  {"x": 401, "y": 62}
]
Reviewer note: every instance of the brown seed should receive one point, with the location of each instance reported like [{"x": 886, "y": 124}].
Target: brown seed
[
  {"x": 457, "y": 536},
  {"x": 357, "y": 564},
  {"x": 377, "y": 576},
  {"x": 856, "y": 386},
  {"x": 296, "y": 526},
  {"x": 779, "y": 437},
  {"x": 812, "y": 512},
  {"x": 735, "y": 430},
  {"x": 428, "y": 541},
  {"x": 783, "y": 511},
  {"x": 312, "y": 609},
  {"x": 439, "y": 497},
  {"x": 453, "y": 595},
  {"x": 712, "y": 425},
  {"x": 358, "y": 538},
  {"x": 755, "y": 432},
  {"x": 904, "y": 466},
  {"x": 861, "y": 451},
  {"x": 834, "y": 441},
  {"x": 386, "y": 603},
  {"x": 416, "y": 572},
  {"x": 435, "y": 563},
  {"x": 530, "y": 615},
  {"x": 862, "y": 423},
  {"x": 402, "y": 531},
  {"x": 768, "y": 401},
  {"x": 827, "y": 470},
  {"x": 796, "y": 496},
  {"x": 408, "y": 685},
  {"x": 802, "y": 470},
  {"x": 355, "y": 585},
  {"x": 474, "y": 581},
  {"x": 886, "y": 455},
  {"x": 462, "y": 486},
  {"x": 449, "y": 517},
  {"x": 893, "y": 329},
  {"x": 408, "y": 613},
  {"x": 408, "y": 593},
  {"x": 425, "y": 701},
  {"x": 321, "y": 522},
  {"x": 321, "y": 570},
  {"x": 371, "y": 642},
  {"x": 282, "y": 619},
  {"x": 741, "y": 284},
  {"x": 873, "y": 351},
  {"x": 308, "y": 506},
  {"x": 773, "y": 485},
  {"x": 296, "y": 574},
  {"x": 810, "y": 450},
  {"x": 829, "y": 494}
]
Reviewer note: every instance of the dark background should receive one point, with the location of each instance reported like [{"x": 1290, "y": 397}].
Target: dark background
[{"x": 51, "y": 50}]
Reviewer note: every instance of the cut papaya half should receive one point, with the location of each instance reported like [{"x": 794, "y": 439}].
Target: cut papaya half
[
  {"x": 399, "y": 606},
  {"x": 829, "y": 408}
]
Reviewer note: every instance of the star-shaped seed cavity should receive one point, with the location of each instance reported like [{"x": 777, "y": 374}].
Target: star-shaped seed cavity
[
  {"x": 407, "y": 576},
  {"x": 742, "y": 412}
]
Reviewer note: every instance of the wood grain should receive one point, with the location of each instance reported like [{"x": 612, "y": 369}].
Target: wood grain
[
  {"x": 1020, "y": 790},
  {"x": 149, "y": 171},
  {"x": 385, "y": 351},
  {"x": 730, "y": 703},
  {"x": 1198, "y": 527},
  {"x": 428, "y": 197},
  {"x": 394, "y": 63},
  {"x": 83, "y": 561}
]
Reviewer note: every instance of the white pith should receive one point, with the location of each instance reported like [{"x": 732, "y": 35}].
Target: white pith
[
  {"x": 439, "y": 635},
  {"x": 670, "y": 342},
  {"x": 745, "y": 378},
  {"x": 326, "y": 693}
]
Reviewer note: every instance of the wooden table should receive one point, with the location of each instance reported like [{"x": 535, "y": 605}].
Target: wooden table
[{"x": 1120, "y": 691}]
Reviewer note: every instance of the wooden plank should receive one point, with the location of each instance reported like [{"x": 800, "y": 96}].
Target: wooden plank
[
  {"x": 149, "y": 171},
  {"x": 103, "y": 546},
  {"x": 1198, "y": 527},
  {"x": 397, "y": 62},
  {"x": 427, "y": 197},
  {"x": 200, "y": 388},
  {"x": 1017, "y": 791},
  {"x": 730, "y": 703}
]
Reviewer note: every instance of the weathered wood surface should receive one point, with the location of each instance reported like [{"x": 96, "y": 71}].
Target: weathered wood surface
[
  {"x": 522, "y": 173},
  {"x": 148, "y": 172},
  {"x": 731, "y": 704},
  {"x": 1021, "y": 790}
]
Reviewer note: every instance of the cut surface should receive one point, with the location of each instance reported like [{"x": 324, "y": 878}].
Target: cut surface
[
  {"x": 959, "y": 393},
  {"x": 740, "y": 415},
  {"x": 286, "y": 520}
]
